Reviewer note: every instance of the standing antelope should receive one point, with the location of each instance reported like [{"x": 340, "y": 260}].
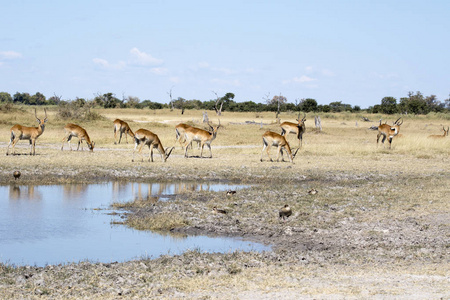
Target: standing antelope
[
  {"x": 19, "y": 132},
  {"x": 386, "y": 130},
  {"x": 122, "y": 127},
  {"x": 145, "y": 137},
  {"x": 202, "y": 136},
  {"x": 437, "y": 136},
  {"x": 73, "y": 130},
  {"x": 270, "y": 139},
  {"x": 180, "y": 131},
  {"x": 298, "y": 128}
]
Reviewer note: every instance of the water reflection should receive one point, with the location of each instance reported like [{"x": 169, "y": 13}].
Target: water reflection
[{"x": 62, "y": 223}]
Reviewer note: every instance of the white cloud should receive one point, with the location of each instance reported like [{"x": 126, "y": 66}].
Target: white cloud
[
  {"x": 106, "y": 65},
  {"x": 175, "y": 79},
  {"x": 327, "y": 72},
  {"x": 203, "y": 65},
  {"x": 10, "y": 55},
  {"x": 144, "y": 59},
  {"x": 233, "y": 82},
  {"x": 159, "y": 71},
  {"x": 303, "y": 79}
]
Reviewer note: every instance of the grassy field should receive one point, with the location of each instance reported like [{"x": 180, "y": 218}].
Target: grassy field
[{"x": 377, "y": 228}]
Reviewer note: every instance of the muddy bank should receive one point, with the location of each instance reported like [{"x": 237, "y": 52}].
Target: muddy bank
[{"x": 362, "y": 235}]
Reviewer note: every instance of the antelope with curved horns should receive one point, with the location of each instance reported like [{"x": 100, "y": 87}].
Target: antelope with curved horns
[
  {"x": 145, "y": 137},
  {"x": 298, "y": 128},
  {"x": 270, "y": 139},
  {"x": 19, "y": 132},
  {"x": 121, "y": 127},
  {"x": 180, "y": 131},
  {"x": 437, "y": 136},
  {"x": 202, "y": 136},
  {"x": 73, "y": 130},
  {"x": 386, "y": 130}
]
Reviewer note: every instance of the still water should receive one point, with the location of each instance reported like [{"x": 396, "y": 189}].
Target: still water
[{"x": 55, "y": 224}]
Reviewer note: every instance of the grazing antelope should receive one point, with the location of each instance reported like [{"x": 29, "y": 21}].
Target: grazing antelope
[
  {"x": 122, "y": 127},
  {"x": 274, "y": 139},
  {"x": 19, "y": 132},
  {"x": 73, "y": 130},
  {"x": 298, "y": 128},
  {"x": 180, "y": 131},
  {"x": 386, "y": 130},
  {"x": 145, "y": 137},
  {"x": 202, "y": 136},
  {"x": 437, "y": 136}
]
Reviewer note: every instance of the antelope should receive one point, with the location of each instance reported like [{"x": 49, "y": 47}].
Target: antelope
[
  {"x": 180, "y": 131},
  {"x": 386, "y": 130},
  {"x": 298, "y": 128},
  {"x": 73, "y": 130},
  {"x": 145, "y": 137},
  {"x": 437, "y": 136},
  {"x": 19, "y": 132},
  {"x": 270, "y": 139},
  {"x": 122, "y": 127},
  {"x": 202, "y": 136}
]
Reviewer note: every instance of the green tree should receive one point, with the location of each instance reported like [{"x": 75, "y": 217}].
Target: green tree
[
  {"x": 38, "y": 99},
  {"x": 413, "y": 104},
  {"x": 308, "y": 105},
  {"x": 388, "y": 105},
  {"x": 5, "y": 97}
]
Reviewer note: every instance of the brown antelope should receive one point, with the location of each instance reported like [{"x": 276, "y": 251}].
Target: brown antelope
[
  {"x": 270, "y": 139},
  {"x": 298, "y": 128},
  {"x": 202, "y": 136},
  {"x": 386, "y": 130},
  {"x": 73, "y": 130},
  {"x": 19, "y": 132},
  {"x": 437, "y": 136},
  {"x": 180, "y": 131},
  {"x": 122, "y": 127},
  {"x": 145, "y": 137}
]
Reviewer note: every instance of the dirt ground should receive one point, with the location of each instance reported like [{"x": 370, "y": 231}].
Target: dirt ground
[{"x": 378, "y": 227}]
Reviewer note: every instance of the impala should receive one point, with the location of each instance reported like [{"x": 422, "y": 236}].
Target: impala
[
  {"x": 145, "y": 137},
  {"x": 437, "y": 136},
  {"x": 386, "y": 130},
  {"x": 122, "y": 127},
  {"x": 298, "y": 128},
  {"x": 73, "y": 130},
  {"x": 202, "y": 136},
  {"x": 19, "y": 132},
  {"x": 180, "y": 131},
  {"x": 270, "y": 139}
]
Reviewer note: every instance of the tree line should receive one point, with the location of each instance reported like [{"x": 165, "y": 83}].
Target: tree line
[{"x": 414, "y": 103}]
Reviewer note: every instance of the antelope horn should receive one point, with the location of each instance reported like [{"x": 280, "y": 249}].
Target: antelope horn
[
  {"x": 304, "y": 117},
  {"x": 219, "y": 123},
  {"x": 168, "y": 154},
  {"x": 45, "y": 110},
  {"x": 396, "y": 122},
  {"x": 35, "y": 114}
]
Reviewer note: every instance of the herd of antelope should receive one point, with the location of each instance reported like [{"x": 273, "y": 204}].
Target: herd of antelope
[{"x": 186, "y": 135}]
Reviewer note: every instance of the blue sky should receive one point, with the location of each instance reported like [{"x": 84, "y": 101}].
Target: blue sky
[{"x": 356, "y": 52}]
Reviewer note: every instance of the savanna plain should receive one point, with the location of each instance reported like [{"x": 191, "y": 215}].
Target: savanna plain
[{"x": 377, "y": 228}]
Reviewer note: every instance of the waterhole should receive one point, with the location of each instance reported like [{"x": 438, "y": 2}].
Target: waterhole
[{"x": 53, "y": 224}]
